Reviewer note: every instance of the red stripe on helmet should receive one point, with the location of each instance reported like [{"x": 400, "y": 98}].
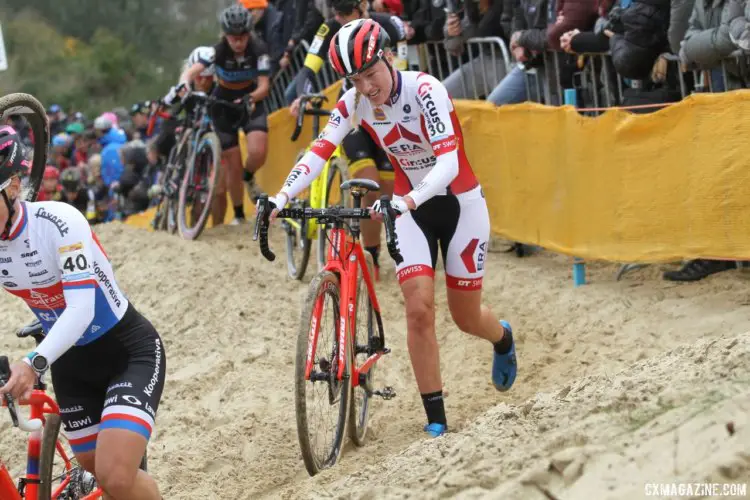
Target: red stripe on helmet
[
  {"x": 359, "y": 40},
  {"x": 333, "y": 55},
  {"x": 373, "y": 43}
]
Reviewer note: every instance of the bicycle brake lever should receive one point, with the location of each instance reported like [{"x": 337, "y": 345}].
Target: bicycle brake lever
[
  {"x": 262, "y": 203},
  {"x": 389, "y": 220}
]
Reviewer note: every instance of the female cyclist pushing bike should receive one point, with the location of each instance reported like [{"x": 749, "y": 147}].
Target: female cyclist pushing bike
[
  {"x": 242, "y": 69},
  {"x": 107, "y": 361},
  {"x": 436, "y": 195}
]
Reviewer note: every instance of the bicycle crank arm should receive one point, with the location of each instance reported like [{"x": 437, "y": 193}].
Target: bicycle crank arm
[
  {"x": 385, "y": 393},
  {"x": 369, "y": 362}
]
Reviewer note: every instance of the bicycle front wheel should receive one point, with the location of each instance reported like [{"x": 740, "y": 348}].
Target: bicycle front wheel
[
  {"x": 298, "y": 243},
  {"x": 198, "y": 187},
  {"x": 337, "y": 175},
  {"x": 321, "y": 400}
]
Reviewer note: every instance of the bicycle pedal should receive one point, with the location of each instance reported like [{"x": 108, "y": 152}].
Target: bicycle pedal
[{"x": 386, "y": 393}]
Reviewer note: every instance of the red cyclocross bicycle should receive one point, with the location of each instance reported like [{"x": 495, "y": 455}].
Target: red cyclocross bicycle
[
  {"x": 341, "y": 334},
  {"x": 50, "y": 470}
]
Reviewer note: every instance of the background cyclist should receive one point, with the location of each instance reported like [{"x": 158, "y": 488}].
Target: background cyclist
[
  {"x": 440, "y": 201},
  {"x": 242, "y": 69}
]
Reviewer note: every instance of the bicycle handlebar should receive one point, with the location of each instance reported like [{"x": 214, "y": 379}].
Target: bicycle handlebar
[
  {"x": 18, "y": 419},
  {"x": 325, "y": 215},
  {"x": 317, "y": 100}
]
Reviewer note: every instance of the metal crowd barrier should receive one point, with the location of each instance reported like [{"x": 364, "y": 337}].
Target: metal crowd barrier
[
  {"x": 604, "y": 88},
  {"x": 432, "y": 54},
  {"x": 276, "y": 99}
]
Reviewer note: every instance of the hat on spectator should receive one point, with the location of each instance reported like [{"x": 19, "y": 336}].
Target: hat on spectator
[
  {"x": 60, "y": 139},
  {"x": 254, "y": 4},
  {"x": 74, "y": 128},
  {"x": 51, "y": 172}
]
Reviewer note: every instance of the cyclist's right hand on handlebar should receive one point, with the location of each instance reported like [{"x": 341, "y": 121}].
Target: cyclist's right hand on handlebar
[
  {"x": 399, "y": 206},
  {"x": 277, "y": 203}
]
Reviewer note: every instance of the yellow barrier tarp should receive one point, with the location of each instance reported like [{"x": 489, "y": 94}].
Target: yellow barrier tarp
[{"x": 622, "y": 187}]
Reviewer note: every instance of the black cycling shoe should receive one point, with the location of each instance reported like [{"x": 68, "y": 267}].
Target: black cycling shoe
[{"x": 698, "y": 269}]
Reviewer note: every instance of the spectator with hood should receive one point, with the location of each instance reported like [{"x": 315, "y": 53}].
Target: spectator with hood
[
  {"x": 111, "y": 140},
  {"x": 486, "y": 18},
  {"x": 527, "y": 44}
]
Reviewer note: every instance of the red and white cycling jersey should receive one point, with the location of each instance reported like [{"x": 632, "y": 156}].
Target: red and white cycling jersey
[{"x": 418, "y": 129}]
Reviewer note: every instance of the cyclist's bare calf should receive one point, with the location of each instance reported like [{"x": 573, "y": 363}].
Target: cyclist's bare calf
[
  {"x": 472, "y": 317},
  {"x": 219, "y": 205},
  {"x": 115, "y": 464},
  {"x": 419, "y": 298},
  {"x": 232, "y": 166},
  {"x": 257, "y": 142}
]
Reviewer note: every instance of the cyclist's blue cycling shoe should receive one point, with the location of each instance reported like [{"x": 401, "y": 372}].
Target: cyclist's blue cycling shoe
[
  {"x": 435, "y": 429},
  {"x": 504, "y": 365}
]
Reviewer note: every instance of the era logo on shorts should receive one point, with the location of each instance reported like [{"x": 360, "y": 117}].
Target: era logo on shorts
[{"x": 467, "y": 255}]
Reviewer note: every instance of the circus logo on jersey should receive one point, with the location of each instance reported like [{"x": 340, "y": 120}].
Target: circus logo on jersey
[{"x": 300, "y": 169}]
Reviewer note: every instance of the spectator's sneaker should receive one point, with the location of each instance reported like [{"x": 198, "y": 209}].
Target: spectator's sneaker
[
  {"x": 504, "y": 365},
  {"x": 698, "y": 269},
  {"x": 435, "y": 429},
  {"x": 238, "y": 221}
]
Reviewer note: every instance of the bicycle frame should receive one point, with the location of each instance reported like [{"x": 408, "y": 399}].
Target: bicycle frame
[
  {"x": 345, "y": 258},
  {"x": 40, "y": 403}
]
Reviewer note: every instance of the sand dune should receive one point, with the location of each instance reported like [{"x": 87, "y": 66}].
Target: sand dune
[{"x": 620, "y": 383}]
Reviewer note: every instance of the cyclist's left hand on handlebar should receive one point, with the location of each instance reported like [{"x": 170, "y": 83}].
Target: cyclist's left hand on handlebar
[
  {"x": 399, "y": 206},
  {"x": 21, "y": 383},
  {"x": 277, "y": 203}
]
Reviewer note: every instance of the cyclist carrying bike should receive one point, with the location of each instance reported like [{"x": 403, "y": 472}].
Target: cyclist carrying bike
[
  {"x": 107, "y": 361},
  {"x": 436, "y": 196},
  {"x": 366, "y": 159},
  {"x": 242, "y": 69}
]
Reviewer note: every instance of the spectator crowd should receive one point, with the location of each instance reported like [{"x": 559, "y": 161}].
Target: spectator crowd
[{"x": 656, "y": 52}]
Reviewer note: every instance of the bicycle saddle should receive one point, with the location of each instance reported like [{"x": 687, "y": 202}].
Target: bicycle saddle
[
  {"x": 33, "y": 329},
  {"x": 361, "y": 185}
]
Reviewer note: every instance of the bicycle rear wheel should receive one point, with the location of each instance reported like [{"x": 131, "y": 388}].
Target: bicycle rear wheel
[
  {"x": 364, "y": 338},
  {"x": 322, "y": 390},
  {"x": 198, "y": 187},
  {"x": 298, "y": 244},
  {"x": 338, "y": 173},
  {"x": 32, "y": 110}
]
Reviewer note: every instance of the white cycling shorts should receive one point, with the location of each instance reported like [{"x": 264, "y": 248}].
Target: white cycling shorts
[{"x": 459, "y": 225}]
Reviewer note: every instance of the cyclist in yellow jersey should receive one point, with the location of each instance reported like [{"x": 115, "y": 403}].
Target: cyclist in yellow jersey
[{"x": 366, "y": 159}]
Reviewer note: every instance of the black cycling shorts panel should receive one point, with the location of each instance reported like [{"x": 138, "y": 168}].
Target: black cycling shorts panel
[
  {"x": 358, "y": 145},
  {"x": 115, "y": 382},
  {"x": 227, "y": 122}
]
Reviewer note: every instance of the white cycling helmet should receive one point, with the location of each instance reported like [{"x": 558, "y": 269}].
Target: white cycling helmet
[{"x": 204, "y": 55}]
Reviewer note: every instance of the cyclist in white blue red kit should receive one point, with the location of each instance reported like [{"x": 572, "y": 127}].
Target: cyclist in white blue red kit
[
  {"x": 106, "y": 360},
  {"x": 436, "y": 195}
]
